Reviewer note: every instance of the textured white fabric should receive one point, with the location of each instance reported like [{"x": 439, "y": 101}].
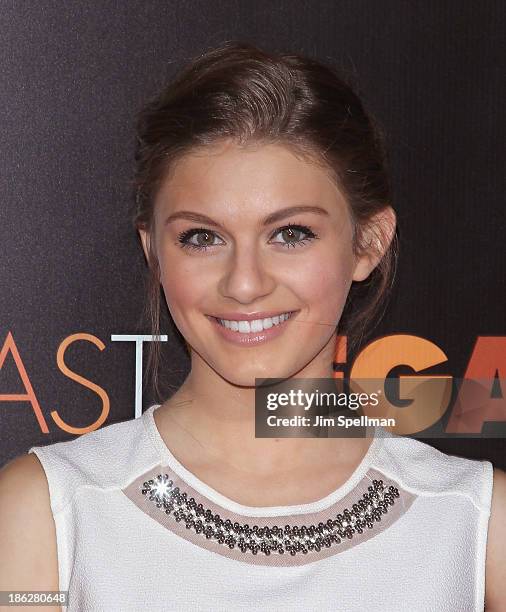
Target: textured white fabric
[{"x": 113, "y": 557}]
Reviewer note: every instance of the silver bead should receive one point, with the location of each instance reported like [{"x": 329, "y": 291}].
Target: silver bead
[{"x": 296, "y": 539}]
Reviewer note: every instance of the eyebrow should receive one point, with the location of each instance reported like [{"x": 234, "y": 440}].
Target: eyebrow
[{"x": 278, "y": 215}]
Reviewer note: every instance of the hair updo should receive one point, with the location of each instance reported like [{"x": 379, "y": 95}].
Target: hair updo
[{"x": 241, "y": 92}]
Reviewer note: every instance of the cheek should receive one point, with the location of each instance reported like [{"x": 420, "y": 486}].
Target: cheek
[
  {"x": 324, "y": 286},
  {"x": 183, "y": 286}
]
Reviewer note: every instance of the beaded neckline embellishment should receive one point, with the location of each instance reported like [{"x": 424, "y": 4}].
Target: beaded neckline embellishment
[
  {"x": 297, "y": 539},
  {"x": 276, "y": 539}
]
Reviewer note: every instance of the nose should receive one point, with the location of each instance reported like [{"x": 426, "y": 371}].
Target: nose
[{"x": 247, "y": 276}]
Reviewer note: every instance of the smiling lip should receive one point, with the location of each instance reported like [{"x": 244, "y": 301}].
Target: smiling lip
[{"x": 252, "y": 338}]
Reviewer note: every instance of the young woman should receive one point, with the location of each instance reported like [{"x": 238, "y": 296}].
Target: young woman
[{"x": 262, "y": 205}]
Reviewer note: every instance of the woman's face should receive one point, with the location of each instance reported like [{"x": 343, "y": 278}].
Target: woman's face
[{"x": 247, "y": 234}]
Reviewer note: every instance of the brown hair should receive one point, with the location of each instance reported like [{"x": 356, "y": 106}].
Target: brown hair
[{"x": 253, "y": 96}]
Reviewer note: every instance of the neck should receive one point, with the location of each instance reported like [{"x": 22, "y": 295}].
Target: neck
[{"x": 214, "y": 421}]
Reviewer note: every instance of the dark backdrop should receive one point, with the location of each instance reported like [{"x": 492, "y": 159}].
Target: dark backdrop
[{"x": 73, "y": 74}]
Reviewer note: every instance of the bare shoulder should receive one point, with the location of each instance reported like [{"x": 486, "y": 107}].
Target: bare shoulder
[
  {"x": 28, "y": 557},
  {"x": 495, "y": 589}
]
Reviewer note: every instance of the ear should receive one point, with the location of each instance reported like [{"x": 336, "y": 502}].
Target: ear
[
  {"x": 375, "y": 240},
  {"x": 144, "y": 235}
]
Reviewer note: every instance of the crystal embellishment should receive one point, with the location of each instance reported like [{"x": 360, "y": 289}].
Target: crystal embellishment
[{"x": 277, "y": 539}]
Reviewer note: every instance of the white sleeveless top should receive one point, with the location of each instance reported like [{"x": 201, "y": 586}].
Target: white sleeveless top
[{"x": 137, "y": 531}]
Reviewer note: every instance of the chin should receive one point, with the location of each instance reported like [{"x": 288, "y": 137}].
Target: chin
[{"x": 245, "y": 377}]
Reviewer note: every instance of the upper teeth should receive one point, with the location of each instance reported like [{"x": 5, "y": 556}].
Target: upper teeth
[{"x": 246, "y": 327}]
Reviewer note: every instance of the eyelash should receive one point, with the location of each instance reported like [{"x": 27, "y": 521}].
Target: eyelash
[{"x": 184, "y": 237}]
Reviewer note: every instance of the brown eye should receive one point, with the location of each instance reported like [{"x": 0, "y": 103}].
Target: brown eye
[
  {"x": 294, "y": 235},
  {"x": 291, "y": 235},
  {"x": 204, "y": 239},
  {"x": 199, "y": 239}
]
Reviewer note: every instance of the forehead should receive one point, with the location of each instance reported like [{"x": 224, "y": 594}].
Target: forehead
[{"x": 226, "y": 172}]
